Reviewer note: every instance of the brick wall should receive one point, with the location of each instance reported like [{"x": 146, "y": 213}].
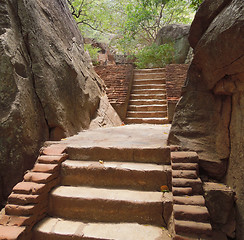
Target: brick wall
[
  {"x": 118, "y": 79},
  {"x": 175, "y": 78}
]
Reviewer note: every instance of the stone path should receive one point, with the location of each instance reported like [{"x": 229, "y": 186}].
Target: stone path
[
  {"x": 110, "y": 186},
  {"x": 148, "y": 102}
]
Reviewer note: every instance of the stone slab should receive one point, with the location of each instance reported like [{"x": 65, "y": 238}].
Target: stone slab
[
  {"x": 129, "y": 175},
  {"x": 50, "y": 228}
]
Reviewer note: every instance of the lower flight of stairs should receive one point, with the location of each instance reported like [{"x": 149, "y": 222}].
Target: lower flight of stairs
[
  {"x": 110, "y": 199},
  {"x": 148, "y": 102},
  {"x": 191, "y": 217}
]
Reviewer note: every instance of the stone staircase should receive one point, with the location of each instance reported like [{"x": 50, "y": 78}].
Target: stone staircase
[
  {"x": 148, "y": 103},
  {"x": 191, "y": 217},
  {"x": 111, "y": 191}
]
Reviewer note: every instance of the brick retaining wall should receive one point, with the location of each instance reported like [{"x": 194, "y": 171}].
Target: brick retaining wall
[
  {"x": 175, "y": 78},
  {"x": 118, "y": 80}
]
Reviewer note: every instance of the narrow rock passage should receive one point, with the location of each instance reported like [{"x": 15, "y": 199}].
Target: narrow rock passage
[{"x": 111, "y": 186}]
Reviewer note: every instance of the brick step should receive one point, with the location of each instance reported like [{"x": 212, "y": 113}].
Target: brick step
[
  {"x": 119, "y": 154},
  {"x": 146, "y": 120},
  {"x": 189, "y": 227},
  {"x": 147, "y": 96},
  {"x": 192, "y": 174},
  {"x": 189, "y": 200},
  {"x": 107, "y": 205},
  {"x": 146, "y": 114},
  {"x": 148, "y": 102},
  {"x": 149, "y": 81},
  {"x": 185, "y": 166},
  {"x": 195, "y": 184},
  {"x": 149, "y": 75},
  {"x": 149, "y": 86},
  {"x": 184, "y": 157},
  {"x": 191, "y": 213},
  {"x": 148, "y": 91},
  {"x": 149, "y": 70},
  {"x": 147, "y": 107},
  {"x": 148, "y": 177},
  {"x": 56, "y": 228}
]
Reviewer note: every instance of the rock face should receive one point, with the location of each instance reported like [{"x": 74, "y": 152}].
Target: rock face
[
  {"x": 47, "y": 88},
  {"x": 209, "y": 116},
  {"x": 177, "y": 33}
]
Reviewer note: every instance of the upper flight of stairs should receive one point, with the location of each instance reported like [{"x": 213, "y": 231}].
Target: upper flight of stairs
[
  {"x": 148, "y": 102},
  {"x": 110, "y": 193}
]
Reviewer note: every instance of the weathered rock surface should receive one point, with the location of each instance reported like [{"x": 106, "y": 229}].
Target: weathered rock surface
[
  {"x": 177, "y": 33},
  {"x": 47, "y": 88},
  {"x": 209, "y": 117},
  {"x": 220, "y": 203}
]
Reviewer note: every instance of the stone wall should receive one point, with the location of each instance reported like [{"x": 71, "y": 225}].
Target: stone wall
[
  {"x": 48, "y": 90},
  {"x": 175, "y": 79},
  {"x": 118, "y": 80},
  {"x": 209, "y": 118}
]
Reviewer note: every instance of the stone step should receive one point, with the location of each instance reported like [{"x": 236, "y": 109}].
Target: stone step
[
  {"x": 149, "y": 75},
  {"x": 184, "y": 157},
  {"x": 195, "y": 184},
  {"x": 181, "y": 191},
  {"x": 149, "y": 86},
  {"x": 57, "y": 229},
  {"x": 192, "y": 174},
  {"x": 149, "y": 70},
  {"x": 148, "y": 91},
  {"x": 185, "y": 166},
  {"x": 146, "y": 114},
  {"x": 146, "y": 120},
  {"x": 147, "y": 107},
  {"x": 149, "y": 81},
  {"x": 148, "y": 177},
  {"x": 189, "y": 227},
  {"x": 192, "y": 236},
  {"x": 191, "y": 213},
  {"x": 107, "y": 205},
  {"x": 147, "y": 96},
  {"x": 155, "y": 154},
  {"x": 148, "y": 102},
  {"x": 189, "y": 200}
]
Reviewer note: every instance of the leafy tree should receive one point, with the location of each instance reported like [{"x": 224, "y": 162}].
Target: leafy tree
[{"x": 131, "y": 24}]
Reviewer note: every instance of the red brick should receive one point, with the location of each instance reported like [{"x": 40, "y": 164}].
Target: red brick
[
  {"x": 55, "y": 149},
  {"x": 39, "y": 177},
  {"x": 14, "y": 220},
  {"x": 46, "y": 168},
  {"x": 29, "y": 188},
  {"x": 23, "y": 199},
  {"x": 52, "y": 159},
  {"x": 11, "y": 232},
  {"x": 18, "y": 210}
]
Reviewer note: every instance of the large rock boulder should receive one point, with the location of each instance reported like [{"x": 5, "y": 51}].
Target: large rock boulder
[
  {"x": 209, "y": 116},
  {"x": 48, "y": 90},
  {"x": 178, "y": 34}
]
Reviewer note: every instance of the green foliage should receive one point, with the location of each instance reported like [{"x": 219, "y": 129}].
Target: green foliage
[
  {"x": 196, "y": 3},
  {"x": 93, "y": 52},
  {"x": 155, "y": 56},
  {"x": 129, "y": 24}
]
